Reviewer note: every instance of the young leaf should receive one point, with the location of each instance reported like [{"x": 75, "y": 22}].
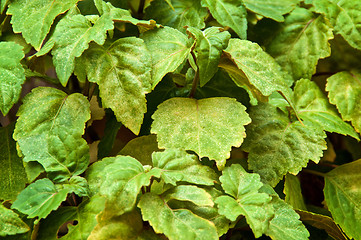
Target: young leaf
[
  {"x": 302, "y": 41},
  {"x": 285, "y": 224},
  {"x": 33, "y": 18},
  {"x": 271, "y": 9},
  {"x": 175, "y": 224},
  {"x": 292, "y": 190},
  {"x": 190, "y": 193},
  {"x": 277, "y": 145},
  {"x": 247, "y": 200},
  {"x": 77, "y": 185},
  {"x": 313, "y": 106},
  {"x": 344, "y": 91},
  {"x": 122, "y": 70},
  {"x": 119, "y": 179},
  {"x": 177, "y": 165},
  {"x": 13, "y": 176},
  {"x": 49, "y": 130},
  {"x": 230, "y": 13},
  {"x": 184, "y": 13},
  {"x": 198, "y": 125},
  {"x": 345, "y": 16},
  {"x": 72, "y": 36},
  {"x": 342, "y": 193},
  {"x": 260, "y": 68},
  {"x": 39, "y": 199},
  {"x": 209, "y": 46},
  {"x": 10, "y": 223},
  {"x": 12, "y": 75},
  {"x": 168, "y": 48}
]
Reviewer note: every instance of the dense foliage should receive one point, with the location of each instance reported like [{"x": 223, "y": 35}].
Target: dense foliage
[{"x": 180, "y": 119}]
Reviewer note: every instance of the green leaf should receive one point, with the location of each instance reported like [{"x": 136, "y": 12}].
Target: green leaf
[
  {"x": 49, "y": 227},
  {"x": 285, "y": 224},
  {"x": 247, "y": 200},
  {"x": 183, "y": 13},
  {"x": 209, "y": 46},
  {"x": 322, "y": 222},
  {"x": 39, "y": 199},
  {"x": 3, "y": 4},
  {"x": 190, "y": 193},
  {"x": 343, "y": 194},
  {"x": 177, "y": 165},
  {"x": 301, "y": 42},
  {"x": 122, "y": 70},
  {"x": 210, "y": 213},
  {"x": 77, "y": 185},
  {"x": 168, "y": 48},
  {"x": 141, "y": 148},
  {"x": 33, "y": 18},
  {"x": 276, "y": 145},
  {"x": 12, "y": 75},
  {"x": 271, "y": 9},
  {"x": 175, "y": 224},
  {"x": 344, "y": 91},
  {"x": 13, "y": 176},
  {"x": 313, "y": 106},
  {"x": 260, "y": 68},
  {"x": 85, "y": 215},
  {"x": 345, "y": 16},
  {"x": 229, "y": 13},
  {"x": 119, "y": 179},
  {"x": 126, "y": 226},
  {"x": 72, "y": 36},
  {"x": 292, "y": 190},
  {"x": 49, "y": 130},
  {"x": 10, "y": 223},
  {"x": 199, "y": 125}
]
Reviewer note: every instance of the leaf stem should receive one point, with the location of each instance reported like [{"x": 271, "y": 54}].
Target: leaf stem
[
  {"x": 141, "y": 9},
  {"x": 313, "y": 172},
  {"x": 196, "y": 77}
]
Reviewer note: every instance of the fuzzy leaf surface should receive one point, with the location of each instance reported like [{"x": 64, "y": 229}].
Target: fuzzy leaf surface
[
  {"x": 301, "y": 42},
  {"x": 313, "y": 106},
  {"x": 72, "y": 36},
  {"x": 247, "y": 200},
  {"x": 190, "y": 193},
  {"x": 49, "y": 130},
  {"x": 175, "y": 224},
  {"x": 119, "y": 179},
  {"x": 230, "y": 13},
  {"x": 177, "y": 165},
  {"x": 12, "y": 75},
  {"x": 122, "y": 70},
  {"x": 199, "y": 125},
  {"x": 277, "y": 145},
  {"x": 285, "y": 224},
  {"x": 342, "y": 193},
  {"x": 33, "y": 18},
  {"x": 260, "y": 68},
  {"x": 209, "y": 46},
  {"x": 271, "y": 9},
  {"x": 168, "y": 48},
  {"x": 345, "y": 16},
  {"x": 39, "y": 199},
  {"x": 344, "y": 91},
  {"x": 13, "y": 176},
  {"x": 10, "y": 223},
  {"x": 181, "y": 13}
]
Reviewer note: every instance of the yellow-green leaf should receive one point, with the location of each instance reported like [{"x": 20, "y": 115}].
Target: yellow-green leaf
[
  {"x": 199, "y": 125},
  {"x": 10, "y": 223}
]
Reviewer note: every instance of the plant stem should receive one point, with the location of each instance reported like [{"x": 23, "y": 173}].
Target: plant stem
[
  {"x": 141, "y": 9},
  {"x": 196, "y": 77},
  {"x": 313, "y": 172}
]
